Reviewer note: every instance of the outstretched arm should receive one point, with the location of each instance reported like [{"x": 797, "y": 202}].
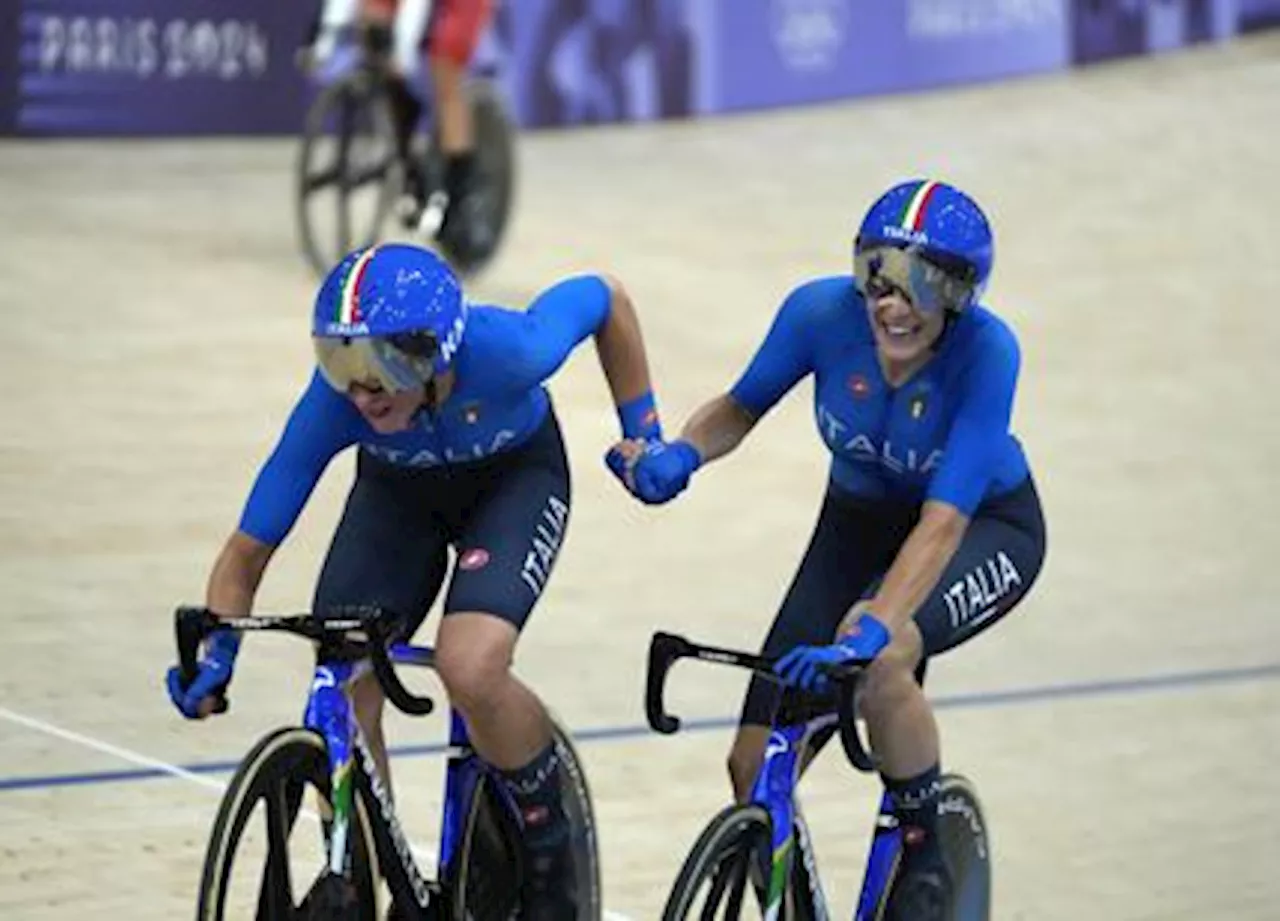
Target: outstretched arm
[
  {"x": 717, "y": 427},
  {"x": 569, "y": 312},
  {"x": 919, "y": 564},
  {"x": 319, "y": 427},
  {"x": 720, "y": 424},
  {"x": 620, "y": 345},
  {"x": 236, "y": 574},
  {"x": 657, "y": 473}
]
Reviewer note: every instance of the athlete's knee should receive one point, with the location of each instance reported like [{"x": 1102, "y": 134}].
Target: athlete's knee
[
  {"x": 473, "y": 659},
  {"x": 745, "y": 757},
  {"x": 891, "y": 678}
]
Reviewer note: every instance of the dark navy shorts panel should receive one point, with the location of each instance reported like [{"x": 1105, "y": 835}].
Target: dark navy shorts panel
[
  {"x": 854, "y": 543},
  {"x": 508, "y": 546},
  {"x": 391, "y": 547},
  {"x": 994, "y": 567},
  {"x": 386, "y": 551}
]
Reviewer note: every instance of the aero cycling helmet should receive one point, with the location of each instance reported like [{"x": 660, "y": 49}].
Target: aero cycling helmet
[
  {"x": 392, "y": 314},
  {"x": 928, "y": 239}
]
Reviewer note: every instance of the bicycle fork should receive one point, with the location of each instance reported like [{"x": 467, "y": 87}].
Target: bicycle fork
[
  {"x": 775, "y": 788},
  {"x": 329, "y": 713}
]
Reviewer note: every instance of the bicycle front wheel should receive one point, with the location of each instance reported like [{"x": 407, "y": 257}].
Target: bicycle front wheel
[
  {"x": 720, "y": 876},
  {"x": 348, "y": 170},
  {"x": 255, "y": 830}
]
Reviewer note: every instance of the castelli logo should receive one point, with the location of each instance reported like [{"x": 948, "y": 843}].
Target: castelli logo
[
  {"x": 474, "y": 558},
  {"x": 859, "y": 386}
]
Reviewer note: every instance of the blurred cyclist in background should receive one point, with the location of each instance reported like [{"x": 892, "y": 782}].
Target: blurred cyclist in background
[{"x": 443, "y": 34}]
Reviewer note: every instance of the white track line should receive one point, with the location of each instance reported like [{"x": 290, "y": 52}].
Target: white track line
[
  {"x": 115, "y": 751},
  {"x": 132, "y": 757}
]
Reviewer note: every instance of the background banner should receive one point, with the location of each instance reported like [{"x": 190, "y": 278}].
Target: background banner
[
  {"x": 142, "y": 67},
  {"x": 181, "y": 67}
]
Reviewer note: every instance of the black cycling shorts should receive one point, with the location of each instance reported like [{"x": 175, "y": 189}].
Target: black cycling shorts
[
  {"x": 854, "y": 543},
  {"x": 504, "y": 517}
]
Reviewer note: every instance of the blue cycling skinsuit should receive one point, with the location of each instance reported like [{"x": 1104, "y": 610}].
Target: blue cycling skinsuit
[
  {"x": 485, "y": 473},
  {"x": 943, "y": 435}
]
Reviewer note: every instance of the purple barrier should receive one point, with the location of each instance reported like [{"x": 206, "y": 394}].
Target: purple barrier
[
  {"x": 226, "y": 66},
  {"x": 147, "y": 67},
  {"x": 1259, "y": 14},
  {"x": 9, "y": 31},
  {"x": 783, "y": 52},
  {"x": 566, "y": 62},
  {"x": 586, "y": 61},
  {"x": 1106, "y": 29}
]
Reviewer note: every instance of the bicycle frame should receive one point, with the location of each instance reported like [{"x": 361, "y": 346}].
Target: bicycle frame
[
  {"x": 329, "y": 713},
  {"x": 774, "y": 789},
  {"x": 886, "y": 844}
]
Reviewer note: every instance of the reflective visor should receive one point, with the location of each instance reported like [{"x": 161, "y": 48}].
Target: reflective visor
[
  {"x": 345, "y": 361},
  {"x": 927, "y": 285}
]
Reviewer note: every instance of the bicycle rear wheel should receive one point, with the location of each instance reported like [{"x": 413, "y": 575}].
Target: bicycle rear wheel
[
  {"x": 966, "y": 844},
  {"x": 276, "y": 774},
  {"x": 715, "y": 881},
  {"x": 348, "y": 171},
  {"x": 487, "y": 886}
]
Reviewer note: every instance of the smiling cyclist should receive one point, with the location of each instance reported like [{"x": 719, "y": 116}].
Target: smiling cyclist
[{"x": 931, "y": 530}]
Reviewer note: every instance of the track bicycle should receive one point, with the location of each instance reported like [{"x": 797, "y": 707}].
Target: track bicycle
[
  {"x": 350, "y": 175},
  {"x": 359, "y": 841},
  {"x": 756, "y": 859}
]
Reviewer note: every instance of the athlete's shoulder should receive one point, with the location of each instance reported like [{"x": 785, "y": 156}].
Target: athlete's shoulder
[
  {"x": 820, "y": 302},
  {"x": 983, "y": 340},
  {"x": 322, "y": 420},
  {"x": 988, "y": 332},
  {"x": 490, "y": 329},
  {"x": 485, "y": 318},
  {"x": 823, "y": 295},
  {"x": 500, "y": 350}
]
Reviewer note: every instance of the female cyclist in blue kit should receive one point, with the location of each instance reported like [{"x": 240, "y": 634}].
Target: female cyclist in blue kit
[
  {"x": 930, "y": 531},
  {"x": 458, "y": 446}
]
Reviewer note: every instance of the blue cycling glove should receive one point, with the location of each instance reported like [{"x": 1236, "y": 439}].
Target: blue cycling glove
[
  {"x": 805, "y": 666},
  {"x": 212, "y": 678},
  {"x": 660, "y": 473}
]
